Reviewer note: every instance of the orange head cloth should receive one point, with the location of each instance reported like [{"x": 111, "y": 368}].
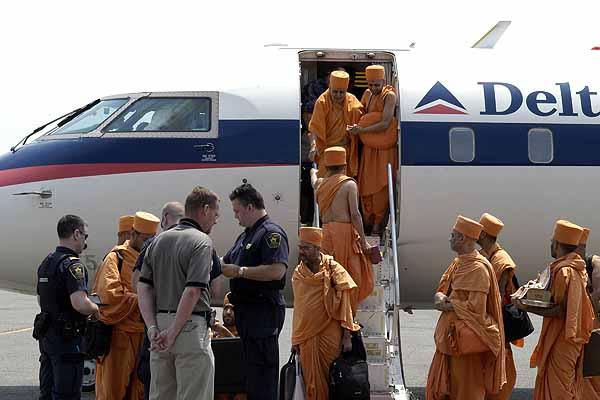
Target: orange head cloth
[
  {"x": 468, "y": 227},
  {"x": 226, "y": 301},
  {"x": 375, "y": 72},
  {"x": 584, "y": 236},
  {"x": 335, "y": 155},
  {"x": 567, "y": 232},
  {"x": 491, "y": 225},
  {"x": 125, "y": 223},
  {"x": 145, "y": 223},
  {"x": 339, "y": 80},
  {"x": 311, "y": 235}
]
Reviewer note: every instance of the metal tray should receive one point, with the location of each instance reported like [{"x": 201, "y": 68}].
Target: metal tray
[{"x": 537, "y": 303}]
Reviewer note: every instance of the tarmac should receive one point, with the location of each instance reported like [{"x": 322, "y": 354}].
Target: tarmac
[{"x": 19, "y": 354}]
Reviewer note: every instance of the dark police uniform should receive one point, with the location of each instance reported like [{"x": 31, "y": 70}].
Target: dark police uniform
[
  {"x": 259, "y": 306},
  {"x": 61, "y": 361}
]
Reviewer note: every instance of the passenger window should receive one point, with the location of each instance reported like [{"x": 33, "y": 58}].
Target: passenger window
[
  {"x": 462, "y": 145},
  {"x": 170, "y": 114},
  {"x": 540, "y": 146}
]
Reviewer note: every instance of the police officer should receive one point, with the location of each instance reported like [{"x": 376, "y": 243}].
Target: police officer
[
  {"x": 257, "y": 264},
  {"x": 62, "y": 295}
]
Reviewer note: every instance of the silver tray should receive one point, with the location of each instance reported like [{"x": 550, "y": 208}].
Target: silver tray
[{"x": 537, "y": 303}]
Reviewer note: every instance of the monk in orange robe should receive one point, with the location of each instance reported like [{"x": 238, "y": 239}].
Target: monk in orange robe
[
  {"x": 116, "y": 377},
  {"x": 504, "y": 270},
  {"x": 322, "y": 312},
  {"x": 469, "y": 359},
  {"x": 343, "y": 233},
  {"x": 591, "y": 385},
  {"x": 378, "y": 131},
  {"x": 567, "y": 326},
  {"x": 125, "y": 226},
  {"x": 227, "y": 328},
  {"x": 334, "y": 111}
]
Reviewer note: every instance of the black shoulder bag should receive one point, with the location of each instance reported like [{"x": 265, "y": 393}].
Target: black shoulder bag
[
  {"x": 517, "y": 324},
  {"x": 96, "y": 341},
  {"x": 349, "y": 373}
]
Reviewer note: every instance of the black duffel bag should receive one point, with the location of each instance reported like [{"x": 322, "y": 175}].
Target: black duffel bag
[
  {"x": 517, "y": 324},
  {"x": 96, "y": 341},
  {"x": 287, "y": 379},
  {"x": 591, "y": 355},
  {"x": 349, "y": 373}
]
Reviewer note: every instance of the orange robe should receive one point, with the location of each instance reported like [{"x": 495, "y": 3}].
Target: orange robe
[
  {"x": 372, "y": 173},
  {"x": 328, "y": 124},
  {"x": 471, "y": 285},
  {"x": 559, "y": 352},
  {"x": 342, "y": 241},
  {"x": 501, "y": 261},
  {"x": 116, "y": 377},
  {"x": 321, "y": 311}
]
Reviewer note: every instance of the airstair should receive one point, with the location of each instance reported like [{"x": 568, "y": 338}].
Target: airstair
[{"x": 379, "y": 314}]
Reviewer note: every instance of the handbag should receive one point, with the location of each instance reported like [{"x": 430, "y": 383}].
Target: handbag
[
  {"x": 98, "y": 335},
  {"x": 96, "y": 341},
  {"x": 517, "y": 324},
  {"x": 349, "y": 373},
  {"x": 287, "y": 379},
  {"x": 591, "y": 355},
  {"x": 467, "y": 341},
  {"x": 349, "y": 378},
  {"x": 375, "y": 255}
]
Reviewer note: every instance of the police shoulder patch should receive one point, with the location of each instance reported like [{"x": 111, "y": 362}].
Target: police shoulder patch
[
  {"x": 76, "y": 269},
  {"x": 273, "y": 240}
]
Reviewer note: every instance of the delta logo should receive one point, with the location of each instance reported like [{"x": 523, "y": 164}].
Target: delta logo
[{"x": 440, "y": 101}]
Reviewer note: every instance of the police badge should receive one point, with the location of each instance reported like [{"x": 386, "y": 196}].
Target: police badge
[
  {"x": 273, "y": 240},
  {"x": 76, "y": 270}
]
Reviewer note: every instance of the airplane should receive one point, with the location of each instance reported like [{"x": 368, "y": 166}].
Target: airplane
[
  {"x": 475, "y": 135},
  {"x": 478, "y": 132}
]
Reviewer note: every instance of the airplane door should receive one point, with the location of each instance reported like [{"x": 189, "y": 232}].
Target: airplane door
[{"x": 36, "y": 201}]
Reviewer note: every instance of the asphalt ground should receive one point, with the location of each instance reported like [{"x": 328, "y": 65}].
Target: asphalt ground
[{"x": 19, "y": 352}]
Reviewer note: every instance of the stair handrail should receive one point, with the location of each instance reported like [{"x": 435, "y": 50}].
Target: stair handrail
[
  {"x": 316, "y": 205},
  {"x": 392, "y": 209},
  {"x": 397, "y": 309}
]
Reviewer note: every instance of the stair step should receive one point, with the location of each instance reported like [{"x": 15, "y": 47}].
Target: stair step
[
  {"x": 373, "y": 323},
  {"x": 375, "y": 301}
]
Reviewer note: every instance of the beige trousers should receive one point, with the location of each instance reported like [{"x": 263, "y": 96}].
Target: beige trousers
[{"x": 187, "y": 370}]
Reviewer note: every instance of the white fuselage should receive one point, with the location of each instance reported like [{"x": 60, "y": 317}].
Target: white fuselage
[{"x": 256, "y": 135}]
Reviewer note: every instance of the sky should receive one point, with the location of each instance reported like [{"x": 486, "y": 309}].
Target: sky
[{"x": 58, "y": 55}]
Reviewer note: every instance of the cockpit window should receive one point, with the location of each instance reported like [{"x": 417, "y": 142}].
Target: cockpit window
[
  {"x": 170, "y": 114},
  {"x": 89, "y": 120}
]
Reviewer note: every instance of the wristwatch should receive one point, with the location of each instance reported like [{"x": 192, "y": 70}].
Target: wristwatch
[{"x": 241, "y": 271}]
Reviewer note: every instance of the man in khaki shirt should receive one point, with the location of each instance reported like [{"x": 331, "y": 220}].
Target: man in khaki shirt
[{"x": 174, "y": 300}]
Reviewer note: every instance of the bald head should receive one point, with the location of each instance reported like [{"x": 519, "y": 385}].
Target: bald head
[{"x": 172, "y": 212}]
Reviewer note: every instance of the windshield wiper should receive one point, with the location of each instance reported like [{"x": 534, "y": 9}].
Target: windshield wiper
[{"x": 67, "y": 117}]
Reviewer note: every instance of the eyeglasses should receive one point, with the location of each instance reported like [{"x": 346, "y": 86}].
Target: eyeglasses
[{"x": 85, "y": 235}]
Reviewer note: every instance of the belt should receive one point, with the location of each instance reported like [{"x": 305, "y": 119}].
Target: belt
[{"x": 204, "y": 314}]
